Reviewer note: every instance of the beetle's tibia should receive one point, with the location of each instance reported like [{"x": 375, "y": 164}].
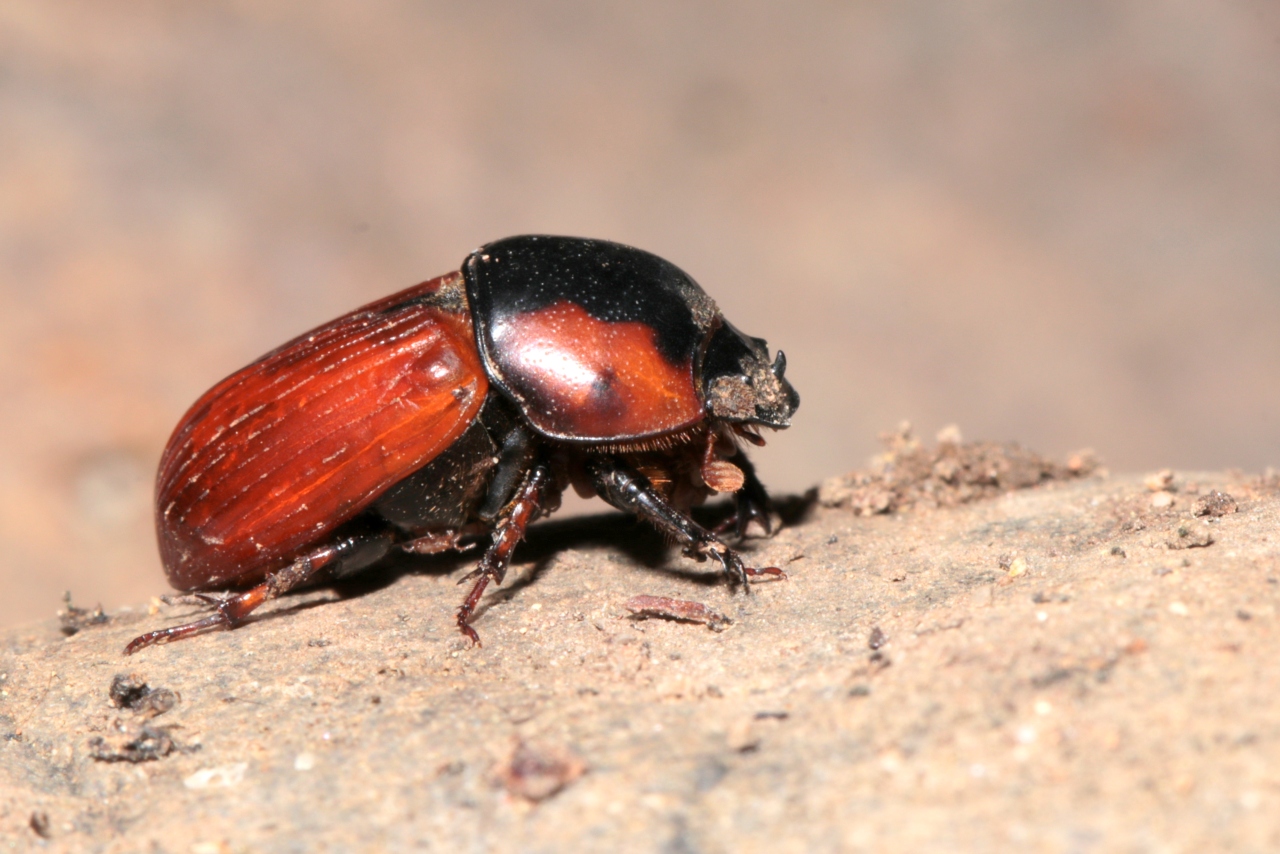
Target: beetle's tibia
[{"x": 522, "y": 509}]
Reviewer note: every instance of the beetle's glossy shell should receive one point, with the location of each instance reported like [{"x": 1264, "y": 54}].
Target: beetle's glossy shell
[
  {"x": 280, "y": 453},
  {"x": 594, "y": 341}
]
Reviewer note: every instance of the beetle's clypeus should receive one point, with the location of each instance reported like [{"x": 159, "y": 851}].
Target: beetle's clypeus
[{"x": 459, "y": 409}]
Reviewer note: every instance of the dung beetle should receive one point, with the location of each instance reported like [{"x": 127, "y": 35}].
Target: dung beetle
[{"x": 461, "y": 408}]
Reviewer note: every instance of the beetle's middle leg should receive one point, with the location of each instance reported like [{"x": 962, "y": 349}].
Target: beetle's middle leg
[
  {"x": 348, "y": 554},
  {"x": 520, "y": 511},
  {"x": 628, "y": 490}
]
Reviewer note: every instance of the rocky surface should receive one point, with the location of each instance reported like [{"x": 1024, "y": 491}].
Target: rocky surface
[{"x": 1082, "y": 665}]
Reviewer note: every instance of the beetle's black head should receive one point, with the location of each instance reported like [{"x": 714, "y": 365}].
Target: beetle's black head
[{"x": 741, "y": 384}]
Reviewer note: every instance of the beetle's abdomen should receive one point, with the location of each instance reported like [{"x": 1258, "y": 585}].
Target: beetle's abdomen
[{"x": 282, "y": 452}]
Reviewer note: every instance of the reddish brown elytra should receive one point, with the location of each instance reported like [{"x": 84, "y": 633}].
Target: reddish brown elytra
[{"x": 460, "y": 409}]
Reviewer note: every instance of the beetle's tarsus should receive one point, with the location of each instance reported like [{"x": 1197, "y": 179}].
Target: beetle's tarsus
[
  {"x": 747, "y": 511},
  {"x": 226, "y": 616},
  {"x": 233, "y": 610},
  {"x": 468, "y": 608},
  {"x": 732, "y": 564},
  {"x": 173, "y": 633}
]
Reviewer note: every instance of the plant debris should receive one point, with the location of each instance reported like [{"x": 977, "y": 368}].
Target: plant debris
[
  {"x": 536, "y": 774},
  {"x": 680, "y": 610},
  {"x": 952, "y": 473},
  {"x": 73, "y": 619}
]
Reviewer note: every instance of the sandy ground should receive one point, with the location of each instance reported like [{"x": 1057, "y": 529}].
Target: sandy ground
[{"x": 1083, "y": 665}]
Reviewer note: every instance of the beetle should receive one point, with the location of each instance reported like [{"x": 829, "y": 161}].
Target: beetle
[{"x": 463, "y": 407}]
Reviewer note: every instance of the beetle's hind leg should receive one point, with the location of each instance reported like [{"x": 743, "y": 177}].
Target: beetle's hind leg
[
  {"x": 355, "y": 552},
  {"x": 520, "y": 511},
  {"x": 628, "y": 490}
]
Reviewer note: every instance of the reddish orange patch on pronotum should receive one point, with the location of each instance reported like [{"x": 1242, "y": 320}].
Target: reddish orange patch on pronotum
[{"x": 582, "y": 378}]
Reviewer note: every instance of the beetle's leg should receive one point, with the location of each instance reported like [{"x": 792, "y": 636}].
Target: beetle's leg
[
  {"x": 233, "y": 610},
  {"x": 751, "y": 502},
  {"x": 437, "y": 542},
  {"x": 520, "y": 511},
  {"x": 627, "y": 489}
]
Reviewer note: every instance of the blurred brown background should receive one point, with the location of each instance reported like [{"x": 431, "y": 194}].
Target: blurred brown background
[{"x": 1056, "y": 222}]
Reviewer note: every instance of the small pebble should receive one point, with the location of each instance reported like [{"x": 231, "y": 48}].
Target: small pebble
[
  {"x": 1161, "y": 480},
  {"x": 223, "y": 775},
  {"x": 1214, "y": 504},
  {"x": 949, "y": 435}
]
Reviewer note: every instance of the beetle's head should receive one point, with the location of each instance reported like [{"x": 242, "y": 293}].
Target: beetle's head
[{"x": 742, "y": 385}]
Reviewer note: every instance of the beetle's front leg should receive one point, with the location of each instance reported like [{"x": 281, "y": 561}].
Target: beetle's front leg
[
  {"x": 751, "y": 502},
  {"x": 627, "y": 489},
  {"x": 520, "y": 511}
]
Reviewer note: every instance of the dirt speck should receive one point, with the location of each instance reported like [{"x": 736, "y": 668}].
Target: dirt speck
[
  {"x": 143, "y": 744},
  {"x": 130, "y": 691},
  {"x": 742, "y": 736},
  {"x": 73, "y": 620},
  {"x": 40, "y": 825}
]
